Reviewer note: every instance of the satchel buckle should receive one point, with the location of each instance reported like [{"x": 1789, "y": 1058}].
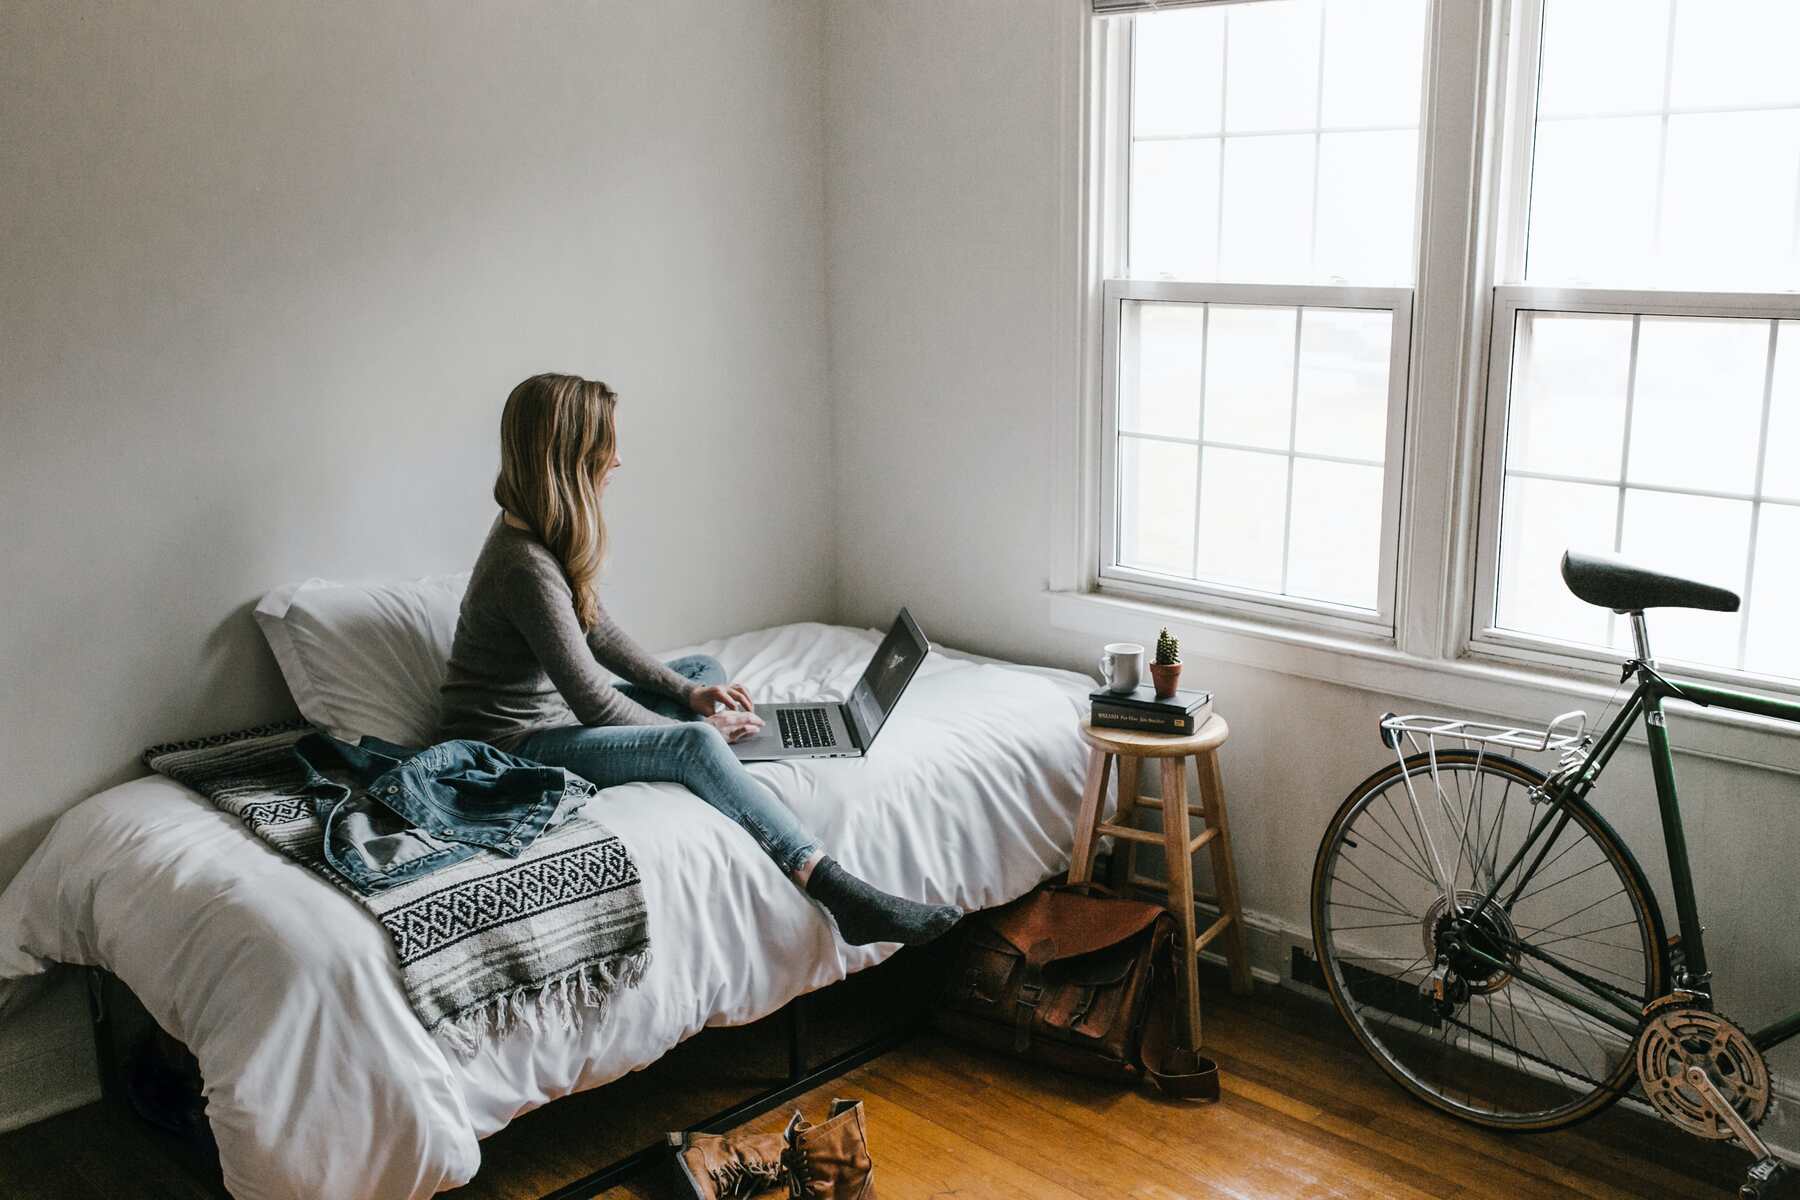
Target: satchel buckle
[{"x": 1030, "y": 994}]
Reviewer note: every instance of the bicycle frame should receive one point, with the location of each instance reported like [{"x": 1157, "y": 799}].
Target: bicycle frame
[{"x": 1647, "y": 701}]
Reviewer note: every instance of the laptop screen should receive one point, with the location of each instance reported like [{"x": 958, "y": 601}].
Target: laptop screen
[{"x": 896, "y": 659}]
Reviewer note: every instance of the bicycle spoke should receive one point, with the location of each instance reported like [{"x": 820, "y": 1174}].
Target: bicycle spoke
[
  {"x": 1563, "y": 880},
  {"x": 1368, "y": 841},
  {"x": 1556, "y": 1028},
  {"x": 1360, "y": 871},
  {"x": 1580, "y": 936},
  {"x": 1578, "y": 912},
  {"x": 1422, "y": 861},
  {"x": 1579, "y": 977}
]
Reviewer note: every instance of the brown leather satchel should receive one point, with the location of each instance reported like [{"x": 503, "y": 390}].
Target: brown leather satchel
[{"x": 1078, "y": 981}]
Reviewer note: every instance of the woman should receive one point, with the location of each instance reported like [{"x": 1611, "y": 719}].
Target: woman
[{"x": 531, "y": 638}]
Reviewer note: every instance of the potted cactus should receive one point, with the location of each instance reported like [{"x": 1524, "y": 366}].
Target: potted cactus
[{"x": 1166, "y": 670}]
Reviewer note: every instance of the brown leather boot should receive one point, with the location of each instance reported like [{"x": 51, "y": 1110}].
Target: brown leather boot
[
  {"x": 732, "y": 1166},
  {"x": 830, "y": 1161}
]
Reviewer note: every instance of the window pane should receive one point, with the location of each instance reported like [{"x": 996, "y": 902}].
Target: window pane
[
  {"x": 1268, "y": 206},
  {"x": 1250, "y": 375},
  {"x": 1343, "y": 396},
  {"x": 1174, "y": 220},
  {"x": 1365, "y": 207},
  {"x": 1667, "y": 156},
  {"x": 1272, "y": 142},
  {"x": 1272, "y": 75},
  {"x": 1602, "y": 56},
  {"x": 1567, "y": 411},
  {"x": 1176, "y": 71},
  {"x": 1729, "y": 200},
  {"x": 1373, "y": 62},
  {"x": 1735, "y": 52},
  {"x": 1243, "y": 505},
  {"x": 1159, "y": 368},
  {"x": 1697, "y": 408},
  {"x": 1773, "y": 645},
  {"x": 1696, "y": 537},
  {"x": 1593, "y": 200},
  {"x": 1334, "y": 535},
  {"x": 1695, "y": 423},
  {"x": 1156, "y": 505},
  {"x": 1319, "y": 103},
  {"x": 1781, "y": 458},
  {"x": 1541, "y": 518}
]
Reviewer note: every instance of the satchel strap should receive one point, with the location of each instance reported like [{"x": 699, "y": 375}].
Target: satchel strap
[{"x": 1174, "y": 1069}]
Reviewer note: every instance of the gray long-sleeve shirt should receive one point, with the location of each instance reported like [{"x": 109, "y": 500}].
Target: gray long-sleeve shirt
[{"x": 520, "y": 661}]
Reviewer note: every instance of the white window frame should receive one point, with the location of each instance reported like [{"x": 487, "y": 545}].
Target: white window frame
[
  {"x": 1114, "y": 576},
  {"x": 1472, "y": 79},
  {"x": 1486, "y": 639},
  {"x": 1110, "y": 68}
]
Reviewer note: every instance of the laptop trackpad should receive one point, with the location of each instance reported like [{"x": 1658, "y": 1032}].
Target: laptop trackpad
[{"x": 764, "y": 744}]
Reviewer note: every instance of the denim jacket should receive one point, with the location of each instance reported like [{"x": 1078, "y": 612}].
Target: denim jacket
[{"x": 392, "y": 814}]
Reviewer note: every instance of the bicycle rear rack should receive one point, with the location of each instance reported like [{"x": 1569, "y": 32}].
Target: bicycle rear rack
[{"x": 1567, "y": 732}]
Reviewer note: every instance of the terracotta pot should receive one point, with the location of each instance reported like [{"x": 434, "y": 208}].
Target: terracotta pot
[{"x": 1167, "y": 677}]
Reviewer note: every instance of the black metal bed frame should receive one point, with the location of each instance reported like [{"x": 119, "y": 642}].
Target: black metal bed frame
[
  {"x": 802, "y": 1077},
  {"x": 800, "y": 1080}
]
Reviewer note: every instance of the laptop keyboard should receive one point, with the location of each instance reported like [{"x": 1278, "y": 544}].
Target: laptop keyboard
[{"x": 804, "y": 728}]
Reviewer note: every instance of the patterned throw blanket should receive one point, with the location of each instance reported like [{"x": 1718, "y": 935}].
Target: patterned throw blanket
[{"x": 484, "y": 945}]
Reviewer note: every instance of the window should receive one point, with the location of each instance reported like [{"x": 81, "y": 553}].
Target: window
[
  {"x": 1257, "y": 305},
  {"x": 1644, "y": 390}
]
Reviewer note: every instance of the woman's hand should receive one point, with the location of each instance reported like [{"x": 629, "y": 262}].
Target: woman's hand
[
  {"x": 732, "y": 697},
  {"x": 736, "y": 726}
]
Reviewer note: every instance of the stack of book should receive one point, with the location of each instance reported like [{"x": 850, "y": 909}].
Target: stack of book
[{"x": 1182, "y": 713}]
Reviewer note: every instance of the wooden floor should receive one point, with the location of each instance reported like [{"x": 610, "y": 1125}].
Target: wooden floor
[{"x": 1304, "y": 1115}]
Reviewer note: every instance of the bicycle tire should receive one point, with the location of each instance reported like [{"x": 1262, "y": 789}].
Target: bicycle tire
[{"x": 1640, "y": 898}]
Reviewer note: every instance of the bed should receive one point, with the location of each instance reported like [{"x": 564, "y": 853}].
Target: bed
[{"x": 320, "y": 1080}]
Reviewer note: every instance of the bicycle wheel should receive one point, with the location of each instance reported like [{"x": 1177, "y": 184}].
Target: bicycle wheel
[{"x": 1516, "y": 1014}]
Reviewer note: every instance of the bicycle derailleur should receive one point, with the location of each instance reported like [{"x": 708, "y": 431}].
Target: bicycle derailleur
[
  {"x": 1705, "y": 1075},
  {"x": 1466, "y": 940}
]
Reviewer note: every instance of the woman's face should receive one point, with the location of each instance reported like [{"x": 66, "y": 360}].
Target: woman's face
[{"x": 606, "y": 472}]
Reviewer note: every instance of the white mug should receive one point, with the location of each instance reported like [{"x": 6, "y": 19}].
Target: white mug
[{"x": 1122, "y": 667}]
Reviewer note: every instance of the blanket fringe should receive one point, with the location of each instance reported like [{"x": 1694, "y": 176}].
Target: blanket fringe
[{"x": 560, "y": 1002}]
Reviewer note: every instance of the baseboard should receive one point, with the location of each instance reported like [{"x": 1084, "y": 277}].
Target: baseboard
[{"x": 1272, "y": 945}]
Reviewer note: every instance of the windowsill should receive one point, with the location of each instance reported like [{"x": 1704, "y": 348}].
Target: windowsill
[{"x": 1460, "y": 686}]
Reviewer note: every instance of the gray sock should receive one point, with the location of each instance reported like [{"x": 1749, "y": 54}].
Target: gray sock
[{"x": 867, "y": 914}]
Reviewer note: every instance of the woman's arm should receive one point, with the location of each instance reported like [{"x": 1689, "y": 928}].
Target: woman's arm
[
  {"x": 543, "y": 608},
  {"x": 616, "y": 651}
]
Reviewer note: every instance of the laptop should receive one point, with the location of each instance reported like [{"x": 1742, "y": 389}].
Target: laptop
[{"x": 830, "y": 729}]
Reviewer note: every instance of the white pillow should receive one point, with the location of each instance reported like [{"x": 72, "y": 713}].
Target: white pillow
[{"x": 365, "y": 658}]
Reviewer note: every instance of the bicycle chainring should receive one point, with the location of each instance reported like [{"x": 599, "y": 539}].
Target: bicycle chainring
[{"x": 1676, "y": 1036}]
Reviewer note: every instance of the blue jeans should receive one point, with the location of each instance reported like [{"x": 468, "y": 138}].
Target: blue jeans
[
  {"x": 697, "y": 668},
  {"x": 693, "y": 754}
]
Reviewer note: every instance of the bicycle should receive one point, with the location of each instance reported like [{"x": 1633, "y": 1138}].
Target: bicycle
[{"x": 1494, "y": 944}]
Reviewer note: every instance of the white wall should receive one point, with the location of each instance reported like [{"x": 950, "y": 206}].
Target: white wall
[
  {"x": 270, "y": 270},
  {"x": 945, "y": 253}
]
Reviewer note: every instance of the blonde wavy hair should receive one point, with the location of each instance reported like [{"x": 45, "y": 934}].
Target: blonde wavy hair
[{"x": 557, "y": 438}]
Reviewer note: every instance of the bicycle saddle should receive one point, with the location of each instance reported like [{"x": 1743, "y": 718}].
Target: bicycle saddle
[{"x": 1610, "y": 582}]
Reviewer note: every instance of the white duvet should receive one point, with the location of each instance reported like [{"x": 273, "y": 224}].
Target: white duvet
[{"x": 321, "y": 1082}]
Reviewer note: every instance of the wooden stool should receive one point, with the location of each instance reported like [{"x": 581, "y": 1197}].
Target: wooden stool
[{"x": 1128, "y": 746}]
